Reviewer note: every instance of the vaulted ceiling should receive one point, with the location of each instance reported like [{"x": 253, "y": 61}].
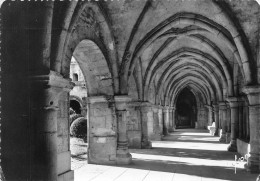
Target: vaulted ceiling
[
  {"x": 169, "y": 45},
  {"x": 153, "y": 49}
]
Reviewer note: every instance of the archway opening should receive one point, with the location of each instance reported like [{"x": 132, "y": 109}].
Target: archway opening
[
  {"x": 75, "y": 106},
  {"x": 78, "y": 122},
  {"x": 93, "y": 79},
  {"x": 186, "y": 110}
]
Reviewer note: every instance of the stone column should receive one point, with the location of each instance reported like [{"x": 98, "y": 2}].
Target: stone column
[
  {"x": 145, "y": 116},
  {"x": 173, "y": 119},
  {"x": 165, "y": 120},
  {"x": 122, "y": 153},
  {"x": 240, "y": 120},
  {"x": 216, "y": 117},
  {"x": 223, "y": 121},
  {"x": 102, "y": 133},
  {"x": 45, "y": 91},
  {"x": 170, "y": 128},
  {"x": 210, "y": 114},
  {"x": 84, "y": 108},
  {"x": 134, "y": 132},
  {"x": 228, "y": 122},
  {"x": 202, "y": 118},
  {"x": 234, "y": 105},
  {"x": 160, "y": 113},
  {"x": 156, "y": 129},
  {"x": 253, "y": 94}
]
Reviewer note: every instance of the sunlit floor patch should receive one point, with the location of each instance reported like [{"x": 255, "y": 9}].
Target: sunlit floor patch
[{"x": 174, "y": 160}]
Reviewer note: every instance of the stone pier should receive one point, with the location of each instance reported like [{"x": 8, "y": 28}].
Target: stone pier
[{"x": 253, "y": 94}]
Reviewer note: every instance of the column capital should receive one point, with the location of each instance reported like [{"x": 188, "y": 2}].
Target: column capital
[
  {"x": 121, "y": 101},
  {"x": 46, "y": 89},
  {"x": 253, "y": 94},
  {"x": 234, "y": 101},
  {"x": 155, "y": 108},
  {"x": 166, "y": 109},
  {"x": 209, "y": 107},
  {"x": 171, "y": 109},
  {"x": 146, "y": 106},
  {"x": 99, "y": 99},
  {"x": 134, "y": 104},
  {"x": 222, "y": 105},
  {"x": 160, "y": 107},
  {"x": 53, "y": 79},
  {"x": 215, "y": 107}
]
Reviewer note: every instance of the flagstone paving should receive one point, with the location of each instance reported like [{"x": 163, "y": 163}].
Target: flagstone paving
[{"x": 184, "y": 155}]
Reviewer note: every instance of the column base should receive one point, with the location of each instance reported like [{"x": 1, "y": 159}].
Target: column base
[
  {"x": 165, "y": 132},
  {"x": 216, "y": 132},
  {"x": 123, "y": 157},
  {"x": 155, "y": 137},
  {"x": 146, "y": 145},
  {"x": 228, "y": 137},
  {"x": 171, "y": 129},
  {"x": 222, "y": 138},
  {"x": 68, "y": 176},
  {"x": 232, "y": 147},
  {"x": 196, "y": 125},
  {"x": 253, "y": 163}
]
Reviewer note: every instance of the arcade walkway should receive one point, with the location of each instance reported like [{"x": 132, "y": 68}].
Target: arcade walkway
[{"x": 185, "y": 155}]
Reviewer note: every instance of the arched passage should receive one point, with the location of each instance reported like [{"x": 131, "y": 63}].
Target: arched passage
[
  {"x": 186, "y": 109},
  {"x": 138, "y": 58}
]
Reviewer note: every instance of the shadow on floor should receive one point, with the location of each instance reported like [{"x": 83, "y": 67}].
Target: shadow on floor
[{"x": 188, "y": 153}]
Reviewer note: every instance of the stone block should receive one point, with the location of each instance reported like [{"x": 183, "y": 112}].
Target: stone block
[
  {"x": 102, "y": 149},
  {"x": 100, "y": 112},
  {"x": 63, "y": 143},
  {"x": 243, "y": 147},
  {"x": 62, "y": 126},
  {"x": 67, "y": 176},
  {"x": 228, "y": 137},
  {"x": 99, "y": 122},
  {"x": 64, "y": 162}
]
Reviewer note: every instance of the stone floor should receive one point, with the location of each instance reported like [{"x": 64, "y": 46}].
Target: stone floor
[{"x": 185, "y": 155}]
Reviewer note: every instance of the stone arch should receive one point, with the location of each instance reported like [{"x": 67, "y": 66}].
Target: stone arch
[
  {"x": 223, "y": 32},
  {"x": 76, "y": 98},
  {"x": 199, "y": 55},
  {"x": 81, "y": 18},
  {"x": 94, "y": 68},
  {"x": 215, "y": 84},
  {"x": 206, "y": 90},
  {"x": 188, "y": 109},
  {"x": 190, "y": 73},
  {"x": 180, "y": 90},
  {"x": 220, "y": 57},
  {"x": 190, "y": 63},
  {"x": 195, "y": 89}
]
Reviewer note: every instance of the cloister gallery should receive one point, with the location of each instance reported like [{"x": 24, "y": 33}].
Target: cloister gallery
[{"x": 147, "y": 69}]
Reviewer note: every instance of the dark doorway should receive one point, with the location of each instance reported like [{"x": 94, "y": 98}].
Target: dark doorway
[{"x": 186, "y": 109}]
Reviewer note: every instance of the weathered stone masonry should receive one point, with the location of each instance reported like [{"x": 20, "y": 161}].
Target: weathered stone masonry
[{"x": 137, "y": 59}]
